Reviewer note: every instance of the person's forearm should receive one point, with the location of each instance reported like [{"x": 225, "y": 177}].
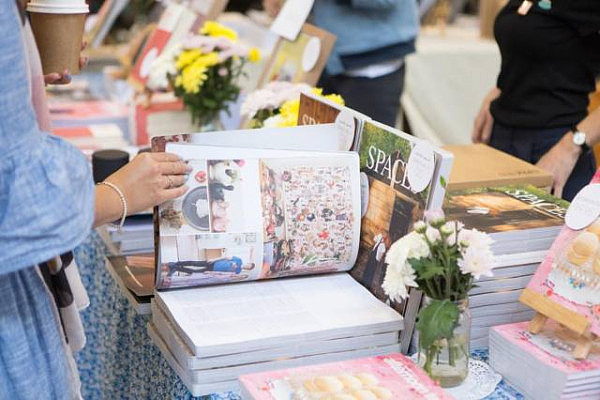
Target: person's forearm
[{"x": 108, "y": 206}]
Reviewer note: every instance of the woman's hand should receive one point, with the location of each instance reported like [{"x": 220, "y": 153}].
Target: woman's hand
[
  {"x": 272, "y": 7},
  {"x": 64, "y": 77},
  {"x": 484, "y": 122},
  {"x": 560, "y": 161},
  {"x": 148, "y": 180}
]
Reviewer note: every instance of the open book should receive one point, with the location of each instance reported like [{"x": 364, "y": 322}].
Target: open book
[{"x": 255, "y": 214}]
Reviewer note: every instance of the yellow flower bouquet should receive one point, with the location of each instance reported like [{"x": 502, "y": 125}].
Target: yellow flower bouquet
[{"x": 207, "y": 70}]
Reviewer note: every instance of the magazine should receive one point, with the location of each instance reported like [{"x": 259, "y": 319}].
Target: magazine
[
  {"x": 570, "y": 274},
  {"x": 402, "y": 177},
  {"x": 390, "y": 376},
  {"x": 255, "y": 214}
]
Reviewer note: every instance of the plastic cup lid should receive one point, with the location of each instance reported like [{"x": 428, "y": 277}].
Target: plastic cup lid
[{"x": 58, "y": 6}]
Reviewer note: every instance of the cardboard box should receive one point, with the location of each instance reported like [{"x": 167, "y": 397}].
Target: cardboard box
[{"x": 479, "y": 165}]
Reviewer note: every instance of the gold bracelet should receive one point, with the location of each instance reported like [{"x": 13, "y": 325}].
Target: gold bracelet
[{"x": 123, "y": 201}]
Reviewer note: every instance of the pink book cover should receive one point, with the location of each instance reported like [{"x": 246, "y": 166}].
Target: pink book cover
[
  {"x": 570, "y": 274},
  {"x": 553, "y": 346},
  {"x": 87, "y": 110},
  {"x": 385, "y": 377}
]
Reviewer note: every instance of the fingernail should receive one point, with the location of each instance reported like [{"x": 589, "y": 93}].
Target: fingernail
[
  {"x": 187, "y": 176},
  {"x": 189, "y": 168},
  {"x": 67, "y": 76}
]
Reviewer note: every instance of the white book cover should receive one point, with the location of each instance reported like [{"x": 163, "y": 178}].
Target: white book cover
[
  {"x": 226, "y": 319},
  {"x": 186, "y": 358}
]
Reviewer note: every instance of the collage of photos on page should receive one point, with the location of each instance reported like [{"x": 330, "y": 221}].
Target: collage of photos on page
[
  {"x": 308, "y": 220},
  {"x": 204, "y": 236}
]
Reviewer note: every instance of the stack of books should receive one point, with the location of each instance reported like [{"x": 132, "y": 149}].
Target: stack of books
[
  {"x": 210, "y": 336},
  {"x": 391, "y": 376},
  {"x": 93, "y": 137},
  {"x": 136, "y": 236},
  {"x": 523, "y": 221},
  {"x": 541, "y": 366},
  {"x": 135, "y": 277}
]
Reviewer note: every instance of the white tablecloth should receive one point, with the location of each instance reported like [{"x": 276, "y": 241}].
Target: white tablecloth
[{"x": 446, "y": 80}]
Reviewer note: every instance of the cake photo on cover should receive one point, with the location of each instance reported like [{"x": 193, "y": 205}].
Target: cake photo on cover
[
  {"x": 570, "y": 274},
  {"x": 389, "y": 377}
]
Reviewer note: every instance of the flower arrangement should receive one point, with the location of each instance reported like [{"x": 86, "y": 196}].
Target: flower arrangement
[
  {"x": 204, "y": 71},
  {"x": 277, "y": 104},
  {"x": 442, "y": 259}
]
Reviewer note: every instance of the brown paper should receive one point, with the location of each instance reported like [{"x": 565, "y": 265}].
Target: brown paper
[{"x": 58, "y": 38}]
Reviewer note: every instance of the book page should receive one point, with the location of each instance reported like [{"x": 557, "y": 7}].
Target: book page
[{"x": 254, "y": 214}]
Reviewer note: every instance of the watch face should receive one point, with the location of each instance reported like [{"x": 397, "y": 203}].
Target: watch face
[{"x": 579, "y": 138}]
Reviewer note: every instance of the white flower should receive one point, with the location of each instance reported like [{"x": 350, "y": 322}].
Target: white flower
[
  {"x": 434, "y": 217},
  {"x": 448, "y": 228},
  {"x": 160, "y": 68},
  {"x": 477, "y": 262},
  {"x": 420, "y": 227},
  {"x": 271, "y": 97},
  {"x": 474, "y": 238},
  {"x": 433, "y": 235},
  {"x": 273, "y": 122},
  {"x": 396, "y": 281},
  {"x": 410, "y": 246}
]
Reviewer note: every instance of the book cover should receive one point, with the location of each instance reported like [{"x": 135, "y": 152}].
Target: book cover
[
  {"x": 570, "y": 274},
  {"x": 390, "y": 376},
  {"x": 301, "y": 60},
  {"x": 315, "y": 110},
  {"x": 494, "y": 168},
  {"x": 553, "y": 346},
  {"x": 394, "y": 203},
  {"x": 506, "y": 208},
  {"x": 69, "y": 113},
  {"x": 258, "y": 215}
]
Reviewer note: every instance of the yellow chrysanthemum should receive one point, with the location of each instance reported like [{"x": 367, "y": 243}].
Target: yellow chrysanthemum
[
  {"x": 317, "y": 91},
  {"x": 214, "y": 29},
  {"x": 336, "y": 98},
  {"x": 187, "y": 57},
  {"x": 289, "y": 112},
  {"x": 254, "y": 55},
  {"x": 193, "y": 77},
  {"x": 208, "y": 60}
]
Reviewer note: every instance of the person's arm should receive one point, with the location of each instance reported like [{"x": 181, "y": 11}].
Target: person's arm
[
  {"x": 560, "y": 160},
  {"x": 149, "y": 179},
  {"x": 380, "y": 5},
  {"x": 484, "y": 122}
]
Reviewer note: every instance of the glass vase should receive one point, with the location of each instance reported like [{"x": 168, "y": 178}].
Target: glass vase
[{"x": 446, "y": 361}]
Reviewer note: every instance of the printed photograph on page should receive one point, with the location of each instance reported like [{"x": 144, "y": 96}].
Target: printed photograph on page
[{"x": 308, "y": 217}]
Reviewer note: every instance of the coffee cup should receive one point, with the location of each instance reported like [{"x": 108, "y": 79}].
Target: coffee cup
[{"x": 58, "y": 29}]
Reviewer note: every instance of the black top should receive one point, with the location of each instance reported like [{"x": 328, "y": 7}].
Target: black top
[{"x": 550, "y": 61}]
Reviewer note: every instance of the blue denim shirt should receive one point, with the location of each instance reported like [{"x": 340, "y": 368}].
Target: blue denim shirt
[
  {"x": 46, "y": 208},
  {"x": 362, "y": 26}
]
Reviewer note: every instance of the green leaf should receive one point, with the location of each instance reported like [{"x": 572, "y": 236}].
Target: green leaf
[
  {"x": 443, "y": 181},
  {"x": 437, "y": 321},
  {"x": 426, "y": 268}
]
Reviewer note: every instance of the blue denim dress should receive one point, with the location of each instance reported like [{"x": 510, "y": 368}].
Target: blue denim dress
[{"x": 46, "y": 208}]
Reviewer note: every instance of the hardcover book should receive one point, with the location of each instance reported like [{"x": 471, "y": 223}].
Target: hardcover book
[
  {"x": 301, "y": 60},
  {"x": 570, "y": 274},
  {"x": 390, "y": 376},
  {"x": 315, "y": 110},
  {"x": 519, "y": 218},
  {"x": 401, "y": 178}
]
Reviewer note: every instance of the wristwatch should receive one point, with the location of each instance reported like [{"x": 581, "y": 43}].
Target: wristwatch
[{"x": 579, "y": 139}]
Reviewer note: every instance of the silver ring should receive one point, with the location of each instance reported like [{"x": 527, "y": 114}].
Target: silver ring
[{"x": 169, "y": 182}]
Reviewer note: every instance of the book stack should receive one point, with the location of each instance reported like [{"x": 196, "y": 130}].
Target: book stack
[
  {"x": 391, "y": 376},
  {"x": 136, "y": 236},
  {"x": 212, "y": 335},
  {"x": 523, "y": 221},
  {"x": 76, "y": 114},
  {"x": 135, "y": 277},
  {"x": 93, "y": 137},
  {"x": 541, "y": 366}
]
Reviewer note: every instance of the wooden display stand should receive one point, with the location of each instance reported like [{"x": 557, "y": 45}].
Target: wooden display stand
[
  {"x": 488, "y": 9},
  {"x": 548, "y": 309}
]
